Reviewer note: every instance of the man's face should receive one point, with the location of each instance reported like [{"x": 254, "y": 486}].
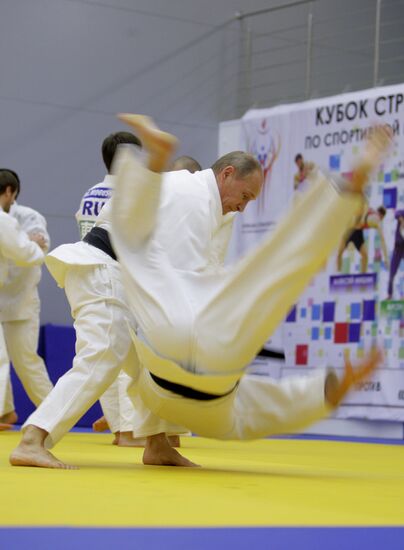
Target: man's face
[
  {"x": 8, "y": 198},
  {"x": 236, "y": 192}
]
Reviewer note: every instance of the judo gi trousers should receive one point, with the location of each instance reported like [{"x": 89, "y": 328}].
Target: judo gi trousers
[{"x": 21, "y": 343}]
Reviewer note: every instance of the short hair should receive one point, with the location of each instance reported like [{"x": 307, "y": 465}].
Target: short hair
[
  {"x": 111, "y": 142},
  {"x": 9, "y": 178},
  {"x": 299, "y": 156},
  {"x": 186, "y": 163},
  {"x": 382, "y": 211},
  {"x": 244, "y": 163}
]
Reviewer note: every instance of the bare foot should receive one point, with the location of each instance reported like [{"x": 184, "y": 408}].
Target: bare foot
[
  {"x": 31, "y": 451},
  {"x": 158, "y": 452},
  {"x": 160, "y": 145},
  {"x": 335, "y": 389},
  {"x": 174, "y": 440},
  {"x": 9, "y": 418},
  {"x": 100, "y": 425},
  {"x": 376, "y": 148},
  {"x": 126, "y": 439},
  {"x": 4, "y": 427}
]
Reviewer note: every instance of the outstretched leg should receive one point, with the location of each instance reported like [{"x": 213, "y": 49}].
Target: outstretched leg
[{"x": 263, "y": 407}]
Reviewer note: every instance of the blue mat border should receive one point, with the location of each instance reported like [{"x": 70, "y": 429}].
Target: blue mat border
[{"x": 240, "y": 538}]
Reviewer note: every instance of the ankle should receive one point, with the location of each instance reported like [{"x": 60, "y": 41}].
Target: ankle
[{"x": 34, "y": 435}]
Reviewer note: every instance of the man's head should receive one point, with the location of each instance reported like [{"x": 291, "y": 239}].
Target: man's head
[
  {"x": 381, "y": 211},
  {"x": 186, "y": 163},
  {"x": 9, "y": 188},
  {"x": 239, "y": 178},
  {"x": 299, "y": 161},
  {"x": 110, "y": 145}
]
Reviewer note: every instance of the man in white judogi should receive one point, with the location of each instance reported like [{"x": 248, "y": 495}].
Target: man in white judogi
[
  {"x": 119, "y": 413},
  {"x": 23, "y": 240}
]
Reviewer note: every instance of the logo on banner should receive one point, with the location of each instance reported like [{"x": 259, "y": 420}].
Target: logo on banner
[{"x": 265, "y": 146}]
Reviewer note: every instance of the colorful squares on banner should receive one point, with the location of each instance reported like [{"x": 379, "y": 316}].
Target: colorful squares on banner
[
  {"x": 395, "y": 174},
  {"x": 390, "y": 197},
  {"x": 355, "y": 311},
  {"x": 316, "y": 312},
  {"x": 335, "y": 162},
  {"x": 291, "y": 318},
  {"x": 303, "y": 313},
  {"x": 401, "y": 353},
  {"x": 315, "y": 333},
  {"x": 302, "y": 353},
  {"x": 354, "y": 332},
  {"x": 380, "y": 177},
  {"x": 374, "y": 329},
  {"x": 328, "y": 333},
  {"x": 341, "y": 333},
  {"x": 328, "y": 312},
  {"x": 388, "y": 343},
  {"x": 369, "y": 310},
  {"x": 387, "y": 177}
]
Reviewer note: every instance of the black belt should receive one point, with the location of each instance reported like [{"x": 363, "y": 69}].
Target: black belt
[
  {"x": 272, "y": 354},
  {"x": 185, "y": 391},
  {"x": 99, "y": 238}
]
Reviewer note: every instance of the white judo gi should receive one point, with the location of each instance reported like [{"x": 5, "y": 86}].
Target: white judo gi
[
  {"x": 20, "y": 272},
  {"x": 115, "y": 402},
  {"x": 200, "y": 328}
]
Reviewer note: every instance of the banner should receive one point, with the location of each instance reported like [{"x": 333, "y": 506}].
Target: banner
[{"x": 357, "y": 301}]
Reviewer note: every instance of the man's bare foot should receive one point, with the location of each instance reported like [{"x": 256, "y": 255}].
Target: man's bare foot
[
  {"x": 174, "y": 440},
  {"x": 160, "y": 145},
  {"x": 4, "y": 427},
  {"x": 9, "y": 418},
  {"x": 100, "y": 425},
  {"x": 335, "y": 390},
  {"x": 158, "y": 452},
  {"x": 376, "y": 148},
  {"x": 31, "y": 451},
  {"x": 126, "y": 439}
]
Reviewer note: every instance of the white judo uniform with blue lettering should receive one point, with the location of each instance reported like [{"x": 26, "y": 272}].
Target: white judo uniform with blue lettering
[{"x": 116, "y": 404}]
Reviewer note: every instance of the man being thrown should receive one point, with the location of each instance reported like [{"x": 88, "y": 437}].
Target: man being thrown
[{"x": 198, "y": 331}]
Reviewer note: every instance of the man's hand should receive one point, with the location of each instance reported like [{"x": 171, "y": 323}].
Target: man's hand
[
  {"x": 335, "y": 390},
  {"x": 38, "y": 239}
]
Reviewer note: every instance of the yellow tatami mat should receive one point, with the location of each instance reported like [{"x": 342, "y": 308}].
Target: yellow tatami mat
[{"x": 269, "y": 482}]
